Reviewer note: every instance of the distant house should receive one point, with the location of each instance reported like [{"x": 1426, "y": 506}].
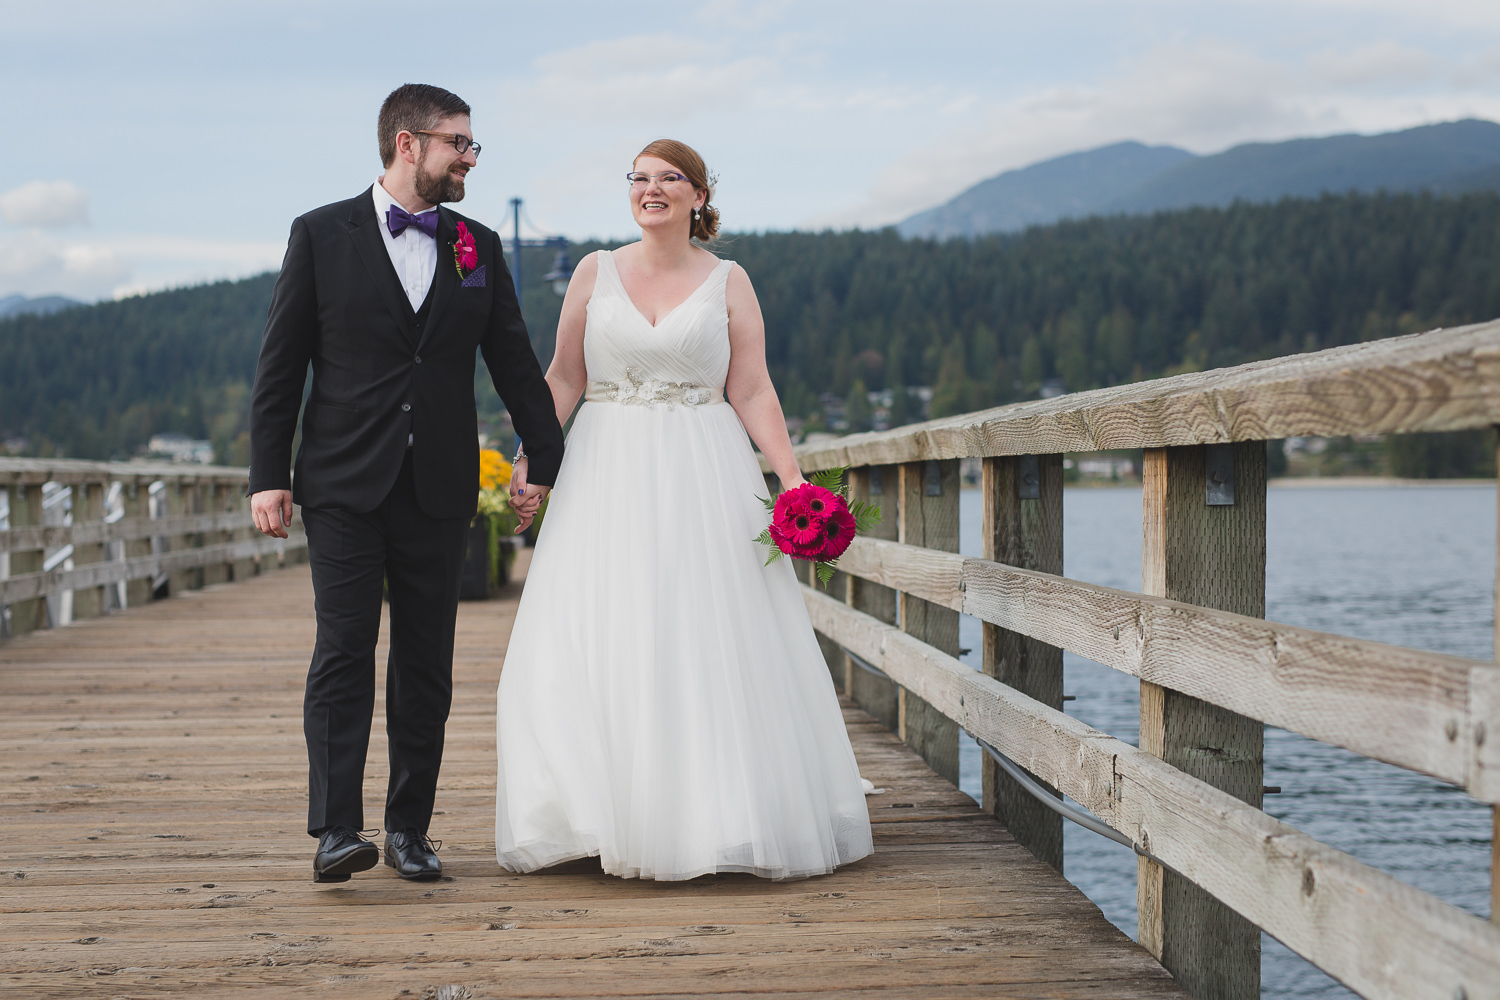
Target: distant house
[{"x": 181, "y": 448}]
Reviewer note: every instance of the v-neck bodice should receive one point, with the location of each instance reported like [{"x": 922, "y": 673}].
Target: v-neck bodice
[{"x": 690, "y": 343}]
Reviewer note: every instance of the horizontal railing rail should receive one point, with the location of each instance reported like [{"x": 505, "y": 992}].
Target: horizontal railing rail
[
  {"x": 31, "y": 585},
  {"x": 1212, "y": 669},
  {"x": 56, "y": 536},
  {"x": 1379, "y": 936},
  {"x": 1445, "y": 380},
  {"x": 80, "y": 538},
  {"x": 1407, "y": 707}
]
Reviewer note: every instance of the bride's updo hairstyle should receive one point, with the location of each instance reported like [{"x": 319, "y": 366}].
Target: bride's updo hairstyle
[{"x": 686, "y": 158}]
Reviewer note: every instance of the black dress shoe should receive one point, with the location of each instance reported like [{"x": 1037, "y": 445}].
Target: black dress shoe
[
  {"x": 413, "y": 855},
  {"x": 341, "y": 853}
]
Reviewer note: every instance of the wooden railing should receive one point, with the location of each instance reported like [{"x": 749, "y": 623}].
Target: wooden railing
[
  {"x": 1214, "y": 868},
  {"x": 79, "y": 539}
]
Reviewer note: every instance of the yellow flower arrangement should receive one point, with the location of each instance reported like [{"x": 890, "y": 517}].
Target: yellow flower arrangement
[{"x": 494, "y": 470}]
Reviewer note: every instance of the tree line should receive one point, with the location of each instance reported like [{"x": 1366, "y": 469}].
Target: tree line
[{"x": 1075, "y": 305}]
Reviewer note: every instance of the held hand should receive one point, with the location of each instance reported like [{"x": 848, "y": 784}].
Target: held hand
[
  {"x": 518, "y": 482},
  {"x": 527, "y": 506},
  {"x": 271, "y": 512}
]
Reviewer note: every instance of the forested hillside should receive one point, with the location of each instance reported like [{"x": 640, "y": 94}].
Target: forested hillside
[
  {"x": 1086, "y": 303},
  {"x": 98, "y": 381}
]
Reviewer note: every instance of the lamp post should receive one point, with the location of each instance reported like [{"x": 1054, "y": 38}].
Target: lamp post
[{"x": 562, "y": 267}]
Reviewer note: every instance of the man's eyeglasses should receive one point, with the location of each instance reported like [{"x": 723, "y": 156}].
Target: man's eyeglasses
[
  {"x": 462, "y": 143},
  {"x": 638, "y": 179}
]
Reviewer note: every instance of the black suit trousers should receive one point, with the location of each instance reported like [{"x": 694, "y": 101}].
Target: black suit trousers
[{"x": 351, "y": 555}]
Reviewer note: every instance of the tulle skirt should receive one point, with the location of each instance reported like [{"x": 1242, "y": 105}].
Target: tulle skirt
[{"x": 664, "y": 704}]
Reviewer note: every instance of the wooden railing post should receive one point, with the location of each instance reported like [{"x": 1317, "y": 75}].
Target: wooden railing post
[
  {"x": 928, "y": 516},
  {"x": 243, "y": 569},
  {"x": 180, "y": 499},
  {"x": 88, "y": 508},
  {"x": 1211, "y": 554},
  {"x": 26, "y": 511},
  {"x": 135, "y": 494},
  {"x": 1023, "y": 527},
  {"x": 219, "y": 498},
  {"x": 877, "y": 695}
]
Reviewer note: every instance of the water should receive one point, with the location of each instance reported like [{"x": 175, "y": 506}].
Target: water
[{"x": 1414, "y": 566}]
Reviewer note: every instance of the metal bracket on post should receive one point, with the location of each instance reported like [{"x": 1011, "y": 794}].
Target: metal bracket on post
[
  {"x": 1218, "y": 475},
  {"x": 1029, "y": 482},
  {"x": 932, "y": 479},
  {"x": 877, "y": 481}
]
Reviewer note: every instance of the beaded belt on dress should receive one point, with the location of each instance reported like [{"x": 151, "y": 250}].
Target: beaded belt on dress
[{"x": 637, "y": 390}]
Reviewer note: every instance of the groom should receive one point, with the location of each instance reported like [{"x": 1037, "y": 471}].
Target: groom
[{"x": 387, "y": 296}]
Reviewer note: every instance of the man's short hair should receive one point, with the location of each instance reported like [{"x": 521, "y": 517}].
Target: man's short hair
[{"x": 413, "y": 107}]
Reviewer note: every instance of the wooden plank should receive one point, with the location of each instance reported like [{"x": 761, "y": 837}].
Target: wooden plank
[
  {"x": 928, "y": 517},
  {"x": 1438, "y": 381},
  {"x": 88, "y": 506},
  {"x": 29, "y": 612},
  {"x": 879, "y": 485},
  {"x": 70, "y": 472},
  {"x": 1407, "y": 707},
  {"x": 1025, "y": 532},
  {"x": 93, "y": 531},
  {"x": 183, "y": 498},
  {"x": 26, "y": 585},
  {"x": 135, "y": 495},
  {"x": 217, "y": 499},
  {"x": 1378, "y": 936},
  {"x": 1211, "y": 555},
  {"x": 150, "y": 822}
]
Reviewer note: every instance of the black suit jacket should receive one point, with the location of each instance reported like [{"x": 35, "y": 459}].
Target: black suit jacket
[{"x": 378, "y": 375}]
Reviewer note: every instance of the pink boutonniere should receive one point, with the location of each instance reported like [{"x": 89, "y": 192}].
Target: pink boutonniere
[{"x": 465, "y": 257}]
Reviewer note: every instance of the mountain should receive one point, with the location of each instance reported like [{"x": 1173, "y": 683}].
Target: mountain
[
  {"x": 1131, "y": 179},
  {"x": 1071, "y": 186},
  {"x": 20, "y": 305},
  {"x": 1417, "y": 159}
]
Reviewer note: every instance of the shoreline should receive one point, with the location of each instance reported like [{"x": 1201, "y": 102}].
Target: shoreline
[{"x": 1305, "y": 482}]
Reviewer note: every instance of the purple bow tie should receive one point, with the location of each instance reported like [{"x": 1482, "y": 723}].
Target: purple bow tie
[{"x": 398, "y": 218}]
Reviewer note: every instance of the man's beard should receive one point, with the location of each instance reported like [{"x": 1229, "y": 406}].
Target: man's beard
[{"x": 435, "y": 189}]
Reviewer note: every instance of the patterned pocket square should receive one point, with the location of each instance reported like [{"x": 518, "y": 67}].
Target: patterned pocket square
[{"x": 475, "y": 278}]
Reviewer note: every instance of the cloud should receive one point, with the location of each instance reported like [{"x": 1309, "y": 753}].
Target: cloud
[
  {"x": 1383, "y": 62},
  {"x": 45, "y": 204},
  {"x": 643, "y": 77},
  {"x": 110, "y": 266},
  {"x": 34, "y": 264},
  {"x": 1204, "y": 97}
]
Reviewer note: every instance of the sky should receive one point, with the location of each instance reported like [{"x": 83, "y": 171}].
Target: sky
[{"x": 164, "y": 142}]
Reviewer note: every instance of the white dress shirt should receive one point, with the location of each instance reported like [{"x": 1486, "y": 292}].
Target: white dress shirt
[{"x": 413, "y": 253}]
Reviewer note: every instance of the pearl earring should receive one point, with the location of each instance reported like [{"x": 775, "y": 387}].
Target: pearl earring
[{"x": 695, "y": 215}]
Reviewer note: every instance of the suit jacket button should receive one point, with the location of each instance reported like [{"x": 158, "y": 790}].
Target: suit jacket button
[
  {"x": 419, "y": 359},
  {"x": 405, "y": 407}
]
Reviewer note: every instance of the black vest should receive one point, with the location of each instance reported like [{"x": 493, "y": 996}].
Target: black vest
[{"x": 419, "y": 319}]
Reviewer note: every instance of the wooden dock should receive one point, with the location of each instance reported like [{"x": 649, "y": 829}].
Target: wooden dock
[{"x": 151, "y": 844}]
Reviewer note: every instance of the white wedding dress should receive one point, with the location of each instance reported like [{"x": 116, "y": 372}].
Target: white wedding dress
[{"x": 664, "y": 704}]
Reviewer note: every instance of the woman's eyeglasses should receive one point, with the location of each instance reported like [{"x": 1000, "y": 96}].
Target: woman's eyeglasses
[{"x": 638, "y": 179}]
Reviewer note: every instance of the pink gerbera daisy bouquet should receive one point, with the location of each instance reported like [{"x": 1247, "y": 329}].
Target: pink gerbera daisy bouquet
[{"x": 816, "y": 522}]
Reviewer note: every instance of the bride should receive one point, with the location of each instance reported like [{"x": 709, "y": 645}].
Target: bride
[{"x": 664, "y": 704}]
